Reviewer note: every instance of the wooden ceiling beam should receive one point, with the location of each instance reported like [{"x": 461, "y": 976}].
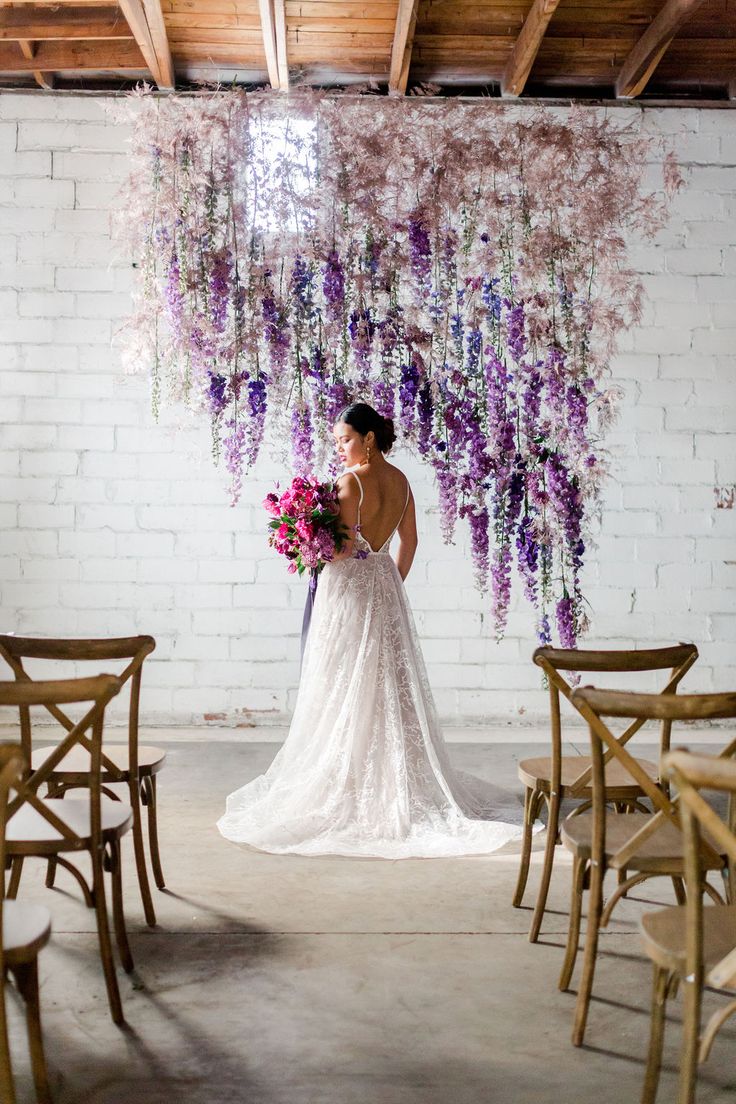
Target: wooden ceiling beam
[
  {"x": 138, "y": 24},
  {"x": 650, "y": 48},
  {"x": 157, "y": 28},
  {"x": 401, "y": 48},
  {"x": 268, "y": 31},
  {"x": 56, "y": 57},
  {"x": 282, "y": 56},
  {"x": 526, "y": 47}
]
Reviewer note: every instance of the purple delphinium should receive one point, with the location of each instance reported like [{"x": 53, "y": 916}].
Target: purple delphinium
[
  {"x": 275, "y": 327},
  {"x": 425, "y": 416},
  {"x": 257, "y": 402},
  {"x": 516, "y": 333},
  {"x": 408, "y": 391},
  {"x": 219, "y": 298},
  {"x": 420, "y": 252},
  {"x": 565, "y": 616},
  {"x": 301, "y": 441},
  {"x": 236, "y": 455},
  {"x": 216, "y": 394},
  {"x": 173, "y": 293},
  {"x": 384, "y": 398},
  {"x": 361, "y": 328},
  {"x": 501, "y": 588},
  {"x": 333, "y": 286},
  {"x": 527, "y": 557}
]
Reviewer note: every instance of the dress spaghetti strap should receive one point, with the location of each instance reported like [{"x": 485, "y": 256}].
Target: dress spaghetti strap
[{"x": 360, "y": 488}]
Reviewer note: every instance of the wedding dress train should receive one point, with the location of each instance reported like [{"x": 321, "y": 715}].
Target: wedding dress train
[{"x": 364, "y": 770}]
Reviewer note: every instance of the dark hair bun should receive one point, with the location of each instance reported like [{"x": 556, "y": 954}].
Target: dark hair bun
[
  {"x": 385, "y": 434},
  {"x": 364, "y": 418}
]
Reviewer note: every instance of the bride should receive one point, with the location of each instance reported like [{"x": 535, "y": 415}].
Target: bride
[{"x": 364, "y": 769}]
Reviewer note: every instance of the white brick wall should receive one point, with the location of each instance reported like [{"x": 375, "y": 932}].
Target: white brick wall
[{"x": 113, "y": 525}]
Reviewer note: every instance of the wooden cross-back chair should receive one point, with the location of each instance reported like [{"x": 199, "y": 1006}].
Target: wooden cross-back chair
[
  {"x": 131, "y": 764},
  {"x": 554, "y": 778},
  {"x": 691, "y": 944},
  {"x": 24, "y": 931},
  {"x": 646, "y": 844},
  {"x": 44, "y": 827}
]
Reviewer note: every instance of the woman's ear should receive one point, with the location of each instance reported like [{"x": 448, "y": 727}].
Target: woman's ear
[{"x": 370, "y": 438}]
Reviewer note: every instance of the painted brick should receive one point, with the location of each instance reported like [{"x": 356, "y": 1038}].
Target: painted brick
[{"x": 140, "y": 510}]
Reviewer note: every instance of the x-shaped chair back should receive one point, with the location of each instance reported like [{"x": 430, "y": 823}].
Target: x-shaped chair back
[
  {"x": 98, "y": 691},
  {"x": 594, "y": 705},
  {"x": 554, "y": 661},
  {"x": 14, "y": 649}
]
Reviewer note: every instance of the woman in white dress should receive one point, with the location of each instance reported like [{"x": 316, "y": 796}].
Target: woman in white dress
[{"x": 364, "y": 769}]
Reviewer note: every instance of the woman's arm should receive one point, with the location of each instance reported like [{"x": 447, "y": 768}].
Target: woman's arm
[
  {"x": 408, "y": 539},
  {"x": 348, "y": 495}
]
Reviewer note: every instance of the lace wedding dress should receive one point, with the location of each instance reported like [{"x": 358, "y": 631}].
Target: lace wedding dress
[{"x": 364, "y": 769}]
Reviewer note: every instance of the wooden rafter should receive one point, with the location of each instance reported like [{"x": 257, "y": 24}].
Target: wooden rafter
[
  {"x": 268, "y": 30},
  {"x": 136, "y": 17},
  {"x": 43, "y": 80},
  {"x": 649, "y": 49},
  {"x": 526, "y": 47},
  {"x": 406, "y": 21},
  {"x": 56, "y": 57},
  {"x": 282, "y": 57},
  {"x": 157, "y": 29}
]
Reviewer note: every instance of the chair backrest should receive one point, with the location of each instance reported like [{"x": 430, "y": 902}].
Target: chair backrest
[
  {"x": 677, "y": 659},
  {"x": 14, "y": 649},
  {"x": 691, "y": 774},
  {"x": 87, "y": 733},
  {"x": 594, "y": 705}
]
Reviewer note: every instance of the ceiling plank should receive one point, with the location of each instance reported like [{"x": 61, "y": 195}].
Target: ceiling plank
[
  {"x": 526, "y": 47},
  {"x": 648, "y": 51},
  {"x": 157, "y": 28},
  {"x": 74, "y": 23},
  {"x": 282, "y": 58},
  {"x": 55, "y": 57},
  {"x": 268, "y": 31},
  {"x": 136, "y": 18},
  {"x": 403, "y": 41}
]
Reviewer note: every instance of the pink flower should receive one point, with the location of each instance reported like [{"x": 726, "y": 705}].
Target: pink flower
[
  {"x": 283, "y": 531},
  {"x": 271, "y": 503}
]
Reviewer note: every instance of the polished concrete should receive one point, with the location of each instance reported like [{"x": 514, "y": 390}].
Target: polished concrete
[{"x": 286, "y": 980}]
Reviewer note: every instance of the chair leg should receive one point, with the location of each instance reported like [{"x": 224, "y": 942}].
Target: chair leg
[
  {"x": 656, "y": 1036},
  {"x": 595, "y": 906},
  {"x": 690, "y": 1038},
  {"x": 51, "y": 872},
  {"x": 7, "y": 1089},
  {"x": 553, "y": 819},
  {"x": 15, "y": 876},
  {"x": 150, "y": 799},
  {"x": 140, "y": 855},
  {"x": 579, "y": 870},
  {"x": 679, "y": 887},
  {"x": 526, "y": 849},
  {"x": 26, "y": 977},
  {"x": 103, "y": 934},
  {"x": 118, "y": 915}
]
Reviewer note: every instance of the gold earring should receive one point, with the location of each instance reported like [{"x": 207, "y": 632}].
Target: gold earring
[{"x": 367, "y": 454}]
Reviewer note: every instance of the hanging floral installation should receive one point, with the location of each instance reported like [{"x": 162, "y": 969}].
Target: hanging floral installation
[{"x": 461, "y": 266}]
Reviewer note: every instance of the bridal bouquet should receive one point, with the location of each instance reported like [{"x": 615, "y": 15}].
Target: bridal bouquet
[{"x": 304, "y": 520}]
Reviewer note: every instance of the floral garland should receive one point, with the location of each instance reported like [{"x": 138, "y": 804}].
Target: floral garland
[{"x": 461, "y": 266}]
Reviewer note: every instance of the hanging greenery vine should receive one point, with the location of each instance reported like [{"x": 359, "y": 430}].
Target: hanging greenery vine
[{"x": 461, "y": 266}]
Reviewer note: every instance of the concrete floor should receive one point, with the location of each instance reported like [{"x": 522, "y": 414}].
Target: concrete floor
[{"x": 286, "y": 980}]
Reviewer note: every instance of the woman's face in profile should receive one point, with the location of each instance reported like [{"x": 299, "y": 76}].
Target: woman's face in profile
[{"x": 350, "y": 445}]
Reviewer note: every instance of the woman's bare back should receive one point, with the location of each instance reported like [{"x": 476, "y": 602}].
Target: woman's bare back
[{"x": 384, "y": 500}]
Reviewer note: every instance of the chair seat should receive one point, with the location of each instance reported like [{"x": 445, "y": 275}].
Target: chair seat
[
  {"x": 27, "y": 826},
  {"x": 537, "y": 774},
  {"x": 75, "y": 763},
  {"x": 662, "y": 852},
  {"x": 664, "y": 934},
  {"x": 26, "y": 929}
]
